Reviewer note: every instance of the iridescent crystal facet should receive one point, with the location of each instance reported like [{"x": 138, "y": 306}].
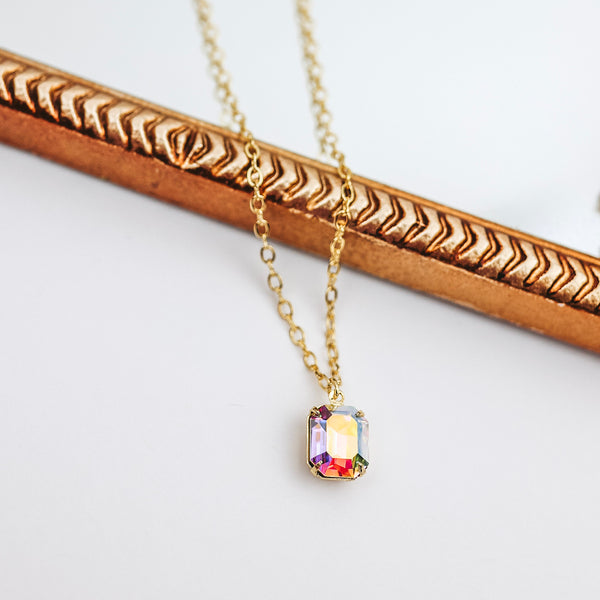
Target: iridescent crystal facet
[{"x": 338, "y": 442}]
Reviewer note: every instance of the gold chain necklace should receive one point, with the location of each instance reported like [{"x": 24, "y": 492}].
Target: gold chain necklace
[{"x": 337, "y": 435}]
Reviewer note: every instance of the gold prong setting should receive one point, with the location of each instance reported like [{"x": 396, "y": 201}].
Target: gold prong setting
[{"x": 337, "y": 442}]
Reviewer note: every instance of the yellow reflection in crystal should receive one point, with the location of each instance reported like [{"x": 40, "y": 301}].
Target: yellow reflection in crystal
[{"x": 342, "y": 436}]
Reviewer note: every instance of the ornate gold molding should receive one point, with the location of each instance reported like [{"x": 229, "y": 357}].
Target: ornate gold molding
[{"x": 407, "y": 239}]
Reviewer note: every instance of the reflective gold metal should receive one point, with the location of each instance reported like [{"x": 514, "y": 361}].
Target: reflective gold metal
[
  {"x": 392, "y": 234},
  {"x": 255, "y": 180}
]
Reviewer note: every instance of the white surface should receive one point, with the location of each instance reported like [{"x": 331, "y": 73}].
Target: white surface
[{"x": 152, "y": 409}]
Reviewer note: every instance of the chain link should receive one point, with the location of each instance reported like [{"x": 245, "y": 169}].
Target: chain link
[{"x": 328, "y": 142}]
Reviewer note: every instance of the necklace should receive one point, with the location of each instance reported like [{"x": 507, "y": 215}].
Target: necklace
[{"x": 337, "y": 435}]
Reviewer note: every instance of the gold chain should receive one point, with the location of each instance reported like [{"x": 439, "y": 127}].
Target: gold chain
[{"x": 254, "y": 176}]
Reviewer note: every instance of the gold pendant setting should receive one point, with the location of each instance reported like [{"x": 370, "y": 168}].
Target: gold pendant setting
[{"x": 338, "y": 442}]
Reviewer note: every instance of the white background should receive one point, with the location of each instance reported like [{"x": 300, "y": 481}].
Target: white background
[{"x": 152, "y": 409}]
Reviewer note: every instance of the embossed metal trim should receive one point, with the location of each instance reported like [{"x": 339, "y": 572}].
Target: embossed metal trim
[{"x": 380, "y": 214}]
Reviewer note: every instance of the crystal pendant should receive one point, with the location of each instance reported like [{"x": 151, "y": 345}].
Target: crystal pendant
[{"x": 338, "y": 442}]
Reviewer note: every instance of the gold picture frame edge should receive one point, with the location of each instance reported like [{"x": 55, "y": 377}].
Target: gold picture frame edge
[{"x": 412, "y": 241}]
